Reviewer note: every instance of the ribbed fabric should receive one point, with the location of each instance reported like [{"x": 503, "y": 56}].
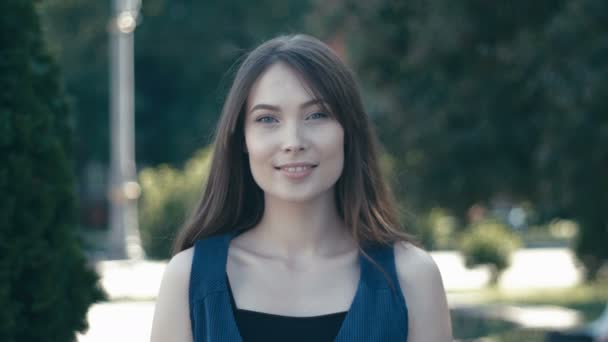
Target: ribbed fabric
[
  {"x": 378, "y": 312},
  {"x": 262, "y": 326}
]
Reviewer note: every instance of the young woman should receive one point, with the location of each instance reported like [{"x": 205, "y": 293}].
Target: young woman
[{"x": 295, "y": 237}]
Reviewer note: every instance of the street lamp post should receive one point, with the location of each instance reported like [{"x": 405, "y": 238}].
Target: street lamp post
[{"x": 124, "y": 191}]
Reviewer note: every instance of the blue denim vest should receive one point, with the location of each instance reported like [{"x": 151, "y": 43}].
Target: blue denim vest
[{"x": 377, "y": 313}]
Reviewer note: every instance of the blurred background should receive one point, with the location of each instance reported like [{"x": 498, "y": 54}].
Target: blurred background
[{"x": 493, "y": 116}]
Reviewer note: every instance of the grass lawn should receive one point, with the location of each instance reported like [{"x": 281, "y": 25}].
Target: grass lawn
[{"x": 589, "y": 299}]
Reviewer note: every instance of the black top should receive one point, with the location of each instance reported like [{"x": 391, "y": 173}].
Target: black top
[{"x": 261, "y": 326}]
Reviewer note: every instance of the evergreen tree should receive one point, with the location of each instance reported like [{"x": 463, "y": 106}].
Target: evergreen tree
[{"x": 45, "y": 285}]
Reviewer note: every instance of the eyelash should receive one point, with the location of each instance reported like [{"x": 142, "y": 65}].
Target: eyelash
[
  {"x": 261, "y": 119},
  {"x": 324, "y": 115}
]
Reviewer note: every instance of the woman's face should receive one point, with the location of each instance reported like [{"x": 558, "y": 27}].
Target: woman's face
[{"x": 295, "y": 148}]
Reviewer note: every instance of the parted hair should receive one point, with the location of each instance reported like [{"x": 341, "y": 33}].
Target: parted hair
[{"x": 231, "y": 199}]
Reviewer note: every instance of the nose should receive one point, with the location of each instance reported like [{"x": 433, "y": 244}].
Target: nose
[
  {"x": 291, "y": 148},
  {"x": 294, "y": 139}
]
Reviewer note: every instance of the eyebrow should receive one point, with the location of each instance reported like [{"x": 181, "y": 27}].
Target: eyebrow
[{"x": 276, "y": 108}]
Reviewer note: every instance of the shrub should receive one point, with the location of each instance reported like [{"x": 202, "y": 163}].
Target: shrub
[
  {"x": 46, "y": 287},
  {"x": 489, "y": 243},
  {"x": 168, "y": 194},
  {"x": 436, "y": 229}
]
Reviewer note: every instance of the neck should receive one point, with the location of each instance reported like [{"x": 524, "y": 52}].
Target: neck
[{"x": 303, "y": 229}]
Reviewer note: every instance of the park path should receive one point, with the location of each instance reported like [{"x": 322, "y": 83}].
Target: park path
[{"x": 132, "y": 288}]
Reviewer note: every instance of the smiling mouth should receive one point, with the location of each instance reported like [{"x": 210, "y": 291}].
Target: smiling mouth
[
  {"x": 296, "y": 168},
  {"x": 296, "y": 172}
]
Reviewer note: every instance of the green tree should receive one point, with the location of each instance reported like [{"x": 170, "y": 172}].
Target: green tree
[
  {"x": 76, "y": 33},
  {"x": 485, "y": 98},
  {"x": 489, "y": 243},
  {"x": 45, "y": 285},
  {"x": 573, "y": 155}
]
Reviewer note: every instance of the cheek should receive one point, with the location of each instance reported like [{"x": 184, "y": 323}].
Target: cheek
[
  {"x": 333, "y": 147},
  {"x": 335, "y": 140},
  {"x": 259, "y": 150}
]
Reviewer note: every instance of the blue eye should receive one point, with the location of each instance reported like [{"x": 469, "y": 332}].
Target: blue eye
[
  {"x": 317, "y": 115},
  {"x": 266, "y": 119}
]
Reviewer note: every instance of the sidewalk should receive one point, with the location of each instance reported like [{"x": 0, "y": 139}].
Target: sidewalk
[
  {"x": 530, "y": 268},
  {"x": 132, "y": 288},
  {"x": 119, "y": 321}
]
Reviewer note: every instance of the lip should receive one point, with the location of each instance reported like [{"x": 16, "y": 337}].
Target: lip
[
  {"x": 303, "y": 170},
  {"x": 299, "y": 164}
]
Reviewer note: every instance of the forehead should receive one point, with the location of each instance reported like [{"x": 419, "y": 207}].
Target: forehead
[{"x": 279, "y": 85}]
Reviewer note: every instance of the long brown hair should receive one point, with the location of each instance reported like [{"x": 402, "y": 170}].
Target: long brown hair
[{"x": 233, "y": 201}]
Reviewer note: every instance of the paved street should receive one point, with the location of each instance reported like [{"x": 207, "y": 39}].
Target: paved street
[{"x": 132, "y": 288}]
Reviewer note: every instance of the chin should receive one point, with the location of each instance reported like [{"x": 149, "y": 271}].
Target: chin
[
  {"x": 293, "y": 197},
  {"x": 297, "y": 196}
]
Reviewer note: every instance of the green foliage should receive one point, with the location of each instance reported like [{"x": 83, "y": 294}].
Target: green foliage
[
  {"x": 77, "y": 35},
  {"x": 46, "y": 287},
  {"x": 483, "y": 99},
  {"x": 167, "y": 196},
  {"x": 489, "y": 243},
  {"x": 590, "y": 245},
  {"x": 436, "y": 229}
]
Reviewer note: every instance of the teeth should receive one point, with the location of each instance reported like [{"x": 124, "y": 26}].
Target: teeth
[{"x": 296, "y": 169}]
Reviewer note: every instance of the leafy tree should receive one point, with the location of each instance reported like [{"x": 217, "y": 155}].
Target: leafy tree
[
  {"x": 76, "y": 33},
  {"x": 45, "y": 286},
  {"x": 489, "y": 243},
  {"x": 573, "y": 156},
  {"x": 485, "y": 98}
]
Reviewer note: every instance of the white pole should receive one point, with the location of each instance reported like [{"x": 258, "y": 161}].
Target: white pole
[{"x": 124, "y": 237}]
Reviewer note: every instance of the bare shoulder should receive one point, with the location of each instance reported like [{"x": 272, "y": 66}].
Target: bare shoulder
[
  {"x": 180, "y": 265},
  {"x": 422, "y": 287},
  {"x": 177, "y": 273},
  {"x": 171, "y": 313},
  {"x": 414, "y": 264}
]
